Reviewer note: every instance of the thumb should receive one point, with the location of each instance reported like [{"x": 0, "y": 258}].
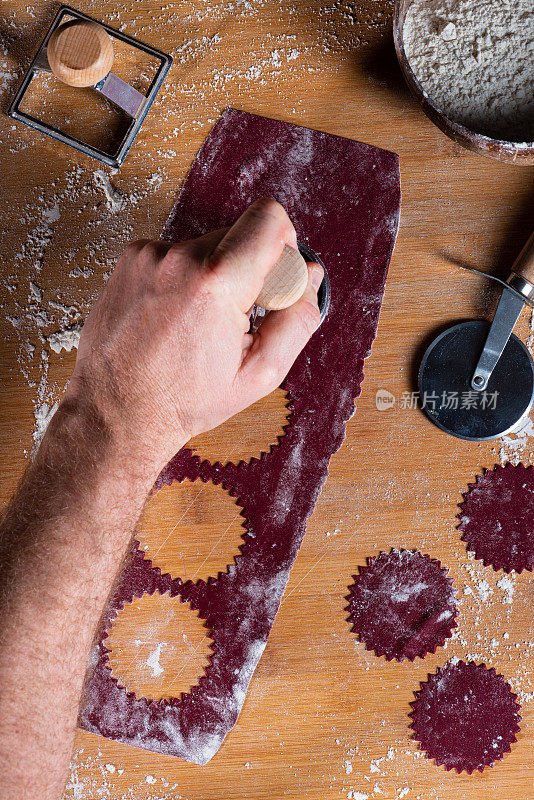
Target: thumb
[{"x": 280, "y": 339}]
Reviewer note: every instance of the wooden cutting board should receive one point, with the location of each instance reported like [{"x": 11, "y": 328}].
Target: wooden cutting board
[{"x": 323, "y": 718}]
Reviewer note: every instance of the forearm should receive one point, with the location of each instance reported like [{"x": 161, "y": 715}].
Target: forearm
[
  {"x": 165, "y": 353},
  {"x": 62, "y": 543}
]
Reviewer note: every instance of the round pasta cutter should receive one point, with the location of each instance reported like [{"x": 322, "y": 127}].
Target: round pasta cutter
[
  {"x": 476, "y": 380},
  {"x": 286, "y": 283},
  {"x": 324, "y": 294}
]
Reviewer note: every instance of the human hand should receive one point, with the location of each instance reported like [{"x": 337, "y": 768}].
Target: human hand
[{"x": 165, "y": 353}]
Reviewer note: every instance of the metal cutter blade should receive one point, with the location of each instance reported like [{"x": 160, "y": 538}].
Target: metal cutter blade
[
  {"x": 448, "y": 369},
  {"x": 323, "y": 295},
  {"x": 506, "y": 316}
]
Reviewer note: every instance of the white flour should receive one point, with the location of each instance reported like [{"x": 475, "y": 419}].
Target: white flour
[
  {"x": 65, "y": 339},
  {"x": 105, "y": 209},
  {"x": 153, "y": 661},
  {"x": 514, "y": 443},
  {"x": 475, "y": 60},
  {"x": 115, "y": 200}
]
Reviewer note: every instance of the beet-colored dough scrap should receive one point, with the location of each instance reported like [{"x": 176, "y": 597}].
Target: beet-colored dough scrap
[
  {"x": 465, "y": 716},
  {"x": 402, "y": 605},
  {"x": 497, "y": 517},
  {"x": 344, "y": 200}
]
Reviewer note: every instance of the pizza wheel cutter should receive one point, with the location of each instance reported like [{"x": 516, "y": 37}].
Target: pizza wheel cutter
[{"x": 476, "y": 380}]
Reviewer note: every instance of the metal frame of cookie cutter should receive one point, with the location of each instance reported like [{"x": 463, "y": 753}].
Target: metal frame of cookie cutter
[
  {"x": 111, "y": 159},
  {"x": 324, "y": 295}
]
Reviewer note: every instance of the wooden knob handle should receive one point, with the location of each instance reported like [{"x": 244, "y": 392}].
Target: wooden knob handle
[
  {"x": 80, "y": 53},
  {"x": 285, "y": 283},
  {"x": 524, "y": 263}
]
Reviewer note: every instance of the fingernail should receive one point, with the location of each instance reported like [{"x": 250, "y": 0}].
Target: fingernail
[{"x": 316, "y": 277}]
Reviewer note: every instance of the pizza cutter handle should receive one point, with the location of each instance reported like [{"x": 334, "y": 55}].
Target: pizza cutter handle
[
  {"x": 80, "y": 53},
  {"x": 522, "y": 275},
  {"x": 285, "y": 283},
  {"x": 510, "y": 305}
]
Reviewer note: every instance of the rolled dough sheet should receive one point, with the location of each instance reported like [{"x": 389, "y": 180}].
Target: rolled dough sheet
[{"x": 344, "y": 200}]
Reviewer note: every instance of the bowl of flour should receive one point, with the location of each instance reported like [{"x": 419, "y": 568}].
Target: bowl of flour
[{"x": 470, "y": 64}]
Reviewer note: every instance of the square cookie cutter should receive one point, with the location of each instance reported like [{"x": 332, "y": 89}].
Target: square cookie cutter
[{"x": 78, "y": 50}]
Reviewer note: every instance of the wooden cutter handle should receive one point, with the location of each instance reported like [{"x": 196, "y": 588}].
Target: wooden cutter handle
[
  {"x": 285, "y": 283},
  {"x": 80, "y": 53},
  {"x": 524, "y": 263}
]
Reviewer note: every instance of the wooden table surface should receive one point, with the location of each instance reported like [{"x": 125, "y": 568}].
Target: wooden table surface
[{"x": 323, "y": 718}]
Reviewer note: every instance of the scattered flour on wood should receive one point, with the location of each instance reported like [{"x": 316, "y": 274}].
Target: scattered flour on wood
[
  {"x": 508, "y": 587},
  {"x": 513, "y": 445},
  {"x": 115, "y": 200},
  {"x": 45, "y": 308},
  {"x": 91, "y": 776},
  {"x": 102, "y": 209},
  {"x": 209, "y": 72},
  {"x": 65, "y": 339},
  {"x": 153, "y": 661}
]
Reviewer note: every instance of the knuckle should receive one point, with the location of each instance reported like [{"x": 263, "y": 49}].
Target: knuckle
[
  {"x": 168, "y": 264},
  {"x": 179, "y": 251},
  {"x": 270, "y": 205},
  {"x": 175, "y": 258},
  {"x": 210, "y": 279},
  {"x": 150, "y": 252},
  {"x": 222, "y": 256},
  {"x": 132, "y": 251},
  {"x": 136, "y": 246},
  {"x": 140, "y": 257}
]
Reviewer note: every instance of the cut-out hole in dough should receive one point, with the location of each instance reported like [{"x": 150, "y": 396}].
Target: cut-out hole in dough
[
  {"x": 248, "y": 434},
  {"x": 191, "y": 530},
  {"x": 158, "y": 647}
]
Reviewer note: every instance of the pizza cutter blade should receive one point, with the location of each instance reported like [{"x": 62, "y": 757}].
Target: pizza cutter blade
[{"x": 476, "y": 380}]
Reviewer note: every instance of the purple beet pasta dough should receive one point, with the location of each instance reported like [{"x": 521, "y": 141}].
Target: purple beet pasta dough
[
  {"x": 496, "y": 517},
  {"x": 344, "y": 200},
  {"x": 465, "y": 716},
  {"x": 402, "y": 605}
]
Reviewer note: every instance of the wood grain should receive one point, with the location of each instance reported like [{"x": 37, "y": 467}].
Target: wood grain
[
  {"x": 285, "y": 283},
  {"x": 172, "y": 519},
  {"x": 158, "y": 647},
  {"x": 260, "y": 426},
  {"x": 524, "y": 265},
  {"x": 80, "y": 53},
  {"x": 322, "y": 713}
]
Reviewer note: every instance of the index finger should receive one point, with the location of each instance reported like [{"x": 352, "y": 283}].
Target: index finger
[{"x": 249, "y": 250}]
